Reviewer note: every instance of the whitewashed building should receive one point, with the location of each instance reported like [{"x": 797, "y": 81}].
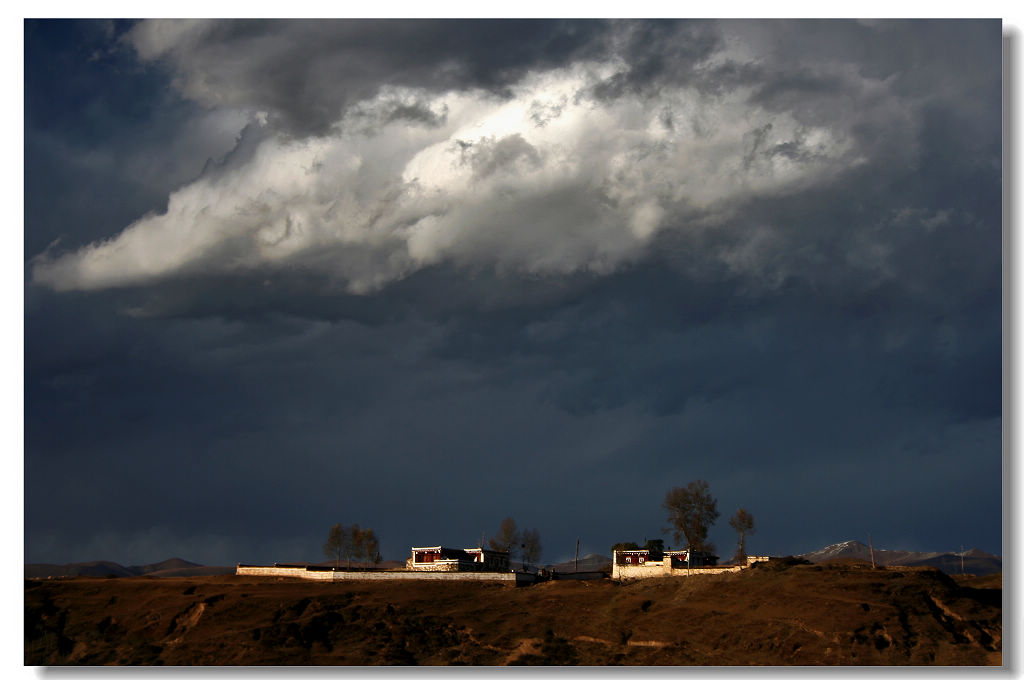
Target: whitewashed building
[{"x": 439, "y": 558}]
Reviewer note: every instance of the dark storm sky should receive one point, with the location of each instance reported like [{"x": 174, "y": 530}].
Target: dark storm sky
[{"x": 422, "y": 276}]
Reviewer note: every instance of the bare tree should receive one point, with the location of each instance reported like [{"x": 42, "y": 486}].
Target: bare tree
[
  {"x": 351, "y": 542},
  {"x": 355, "y": 543},
  {"x": 508, "y": 538},
  {"x": 371, "y": 546},
  {"x": 531, "y": 547},
  {"x": 743, "y": 523},
  {"x": 337, "y": 544},
  {"x": 358, "y": 544},
  {"x": 691, "y": 512}
]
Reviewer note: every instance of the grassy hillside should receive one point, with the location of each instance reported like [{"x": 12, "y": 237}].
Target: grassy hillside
[{"x": 787, "y": 614}]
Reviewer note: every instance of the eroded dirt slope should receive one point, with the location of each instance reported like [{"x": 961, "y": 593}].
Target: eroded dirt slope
[{"x": 807, "y": 614}]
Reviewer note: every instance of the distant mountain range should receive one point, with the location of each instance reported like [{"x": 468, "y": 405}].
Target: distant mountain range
[
  {"x": 171, "y": 567},
  {"x": 592, "y": 562},
  {"x": 974, "y": 561}
]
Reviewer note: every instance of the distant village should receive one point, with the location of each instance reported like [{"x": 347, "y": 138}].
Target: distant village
[
  {"x": 479, "y": 564},
  {"x": 692, "y": 510}
]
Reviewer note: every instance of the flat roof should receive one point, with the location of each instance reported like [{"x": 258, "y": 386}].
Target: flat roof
[{"x": 486, "y": 550}]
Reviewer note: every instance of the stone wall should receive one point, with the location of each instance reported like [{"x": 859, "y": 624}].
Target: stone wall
[
  {"x": 436, "y": 565},
  {"x": 664, "y": 568},
  {"x": 453, "y": 565},
  {"x": 707, "y": 571},
  {"x": 495, "y": 576},
  {"x": 328, "y": 575},
  {"x": 638, "y": 571},
  {"x": 286, "y": 572},
  {"x": 645, "y": 570},
  {"x": 450, "y": 572}
]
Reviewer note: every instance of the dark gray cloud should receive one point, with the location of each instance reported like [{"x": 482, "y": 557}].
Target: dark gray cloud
[
  {"x": 659, "y": 54},
  {"x": 525, "y": 412},
  {"x": 308, "y": 72},
  {"x": 99, "y": 124},
  {"x": 815, "y": 331}
]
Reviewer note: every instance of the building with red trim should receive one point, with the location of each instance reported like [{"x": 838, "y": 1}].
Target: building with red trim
[{"x": 439, "y": 558}]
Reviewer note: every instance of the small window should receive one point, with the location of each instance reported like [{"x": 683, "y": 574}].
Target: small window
[
  {"x": 629, "y": 560},
  {"x": 641, "y": 560}
]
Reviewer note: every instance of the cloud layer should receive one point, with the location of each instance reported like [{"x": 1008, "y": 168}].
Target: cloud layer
[
  {"x": 399, "y": 255},
  {"x": 549, "y": 179}
]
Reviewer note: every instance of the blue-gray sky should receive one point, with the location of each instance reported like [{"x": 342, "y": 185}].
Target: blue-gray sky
[{"x": 424, "y": 275}]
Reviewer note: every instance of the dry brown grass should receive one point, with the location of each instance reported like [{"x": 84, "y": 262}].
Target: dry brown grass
[{"x": 842, "y": 614}]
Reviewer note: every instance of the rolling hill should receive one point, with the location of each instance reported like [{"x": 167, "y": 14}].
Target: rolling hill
[
  {"x": 785, "y": 612},
  {"x": 591, "y": 562},
  {"x": 974, "y": 561},
  {"x": 171, "y": 567}
]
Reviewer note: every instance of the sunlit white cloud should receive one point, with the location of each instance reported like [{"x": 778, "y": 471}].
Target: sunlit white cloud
[{"x": 550, "y": 180}]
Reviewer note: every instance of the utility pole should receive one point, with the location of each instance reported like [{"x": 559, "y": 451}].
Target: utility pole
[
  {"x": 961, "y": 559},
  {"x": 576, "y": 561},
  {"x": 872, "y": 548}
]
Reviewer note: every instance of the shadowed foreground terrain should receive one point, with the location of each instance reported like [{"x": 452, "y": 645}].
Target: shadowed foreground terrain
[{"x": 839, "y": 613}]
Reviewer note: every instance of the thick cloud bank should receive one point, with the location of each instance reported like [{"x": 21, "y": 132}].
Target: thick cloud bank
[
  {"x": 543, "y": 269},
  {"x": 555, "y": 176}
]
